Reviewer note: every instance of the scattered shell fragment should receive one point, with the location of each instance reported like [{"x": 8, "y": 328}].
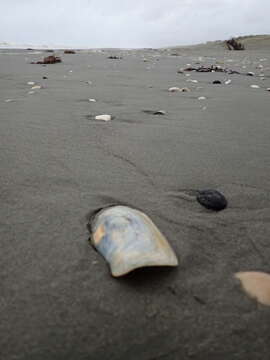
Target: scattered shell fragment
[
  {"x": 202, "y": 98},
  {"x": 227, "y": 82},
  {"x": 256, "y": 284},
  {"x": 155, "y": 112},
  {"x": 185, "y": 89},
  {"x": 92, "y": 100},
  {"x": 36, "y": 87},
  {"x": 255, "y": 86},
  {"x": 128, "y": 240},
  {"x": 212, "y": 199},
  {"x": 9, "y": 100},
  {"x": 31, "y": 92},
  {"x": 104, "y": 117},
  {"x": 31, "y": 83},
  {"x": 174, "y": 89}
]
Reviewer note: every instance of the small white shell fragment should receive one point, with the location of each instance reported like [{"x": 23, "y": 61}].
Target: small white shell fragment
[
  {"x": 70, "y": 71},
  {"x": 185, "y": 89},
  {"x": 187, "y": 75},
  {"x": 9, "y": 100},
  {"x": 92, "y": 100},
  {"x": 174, "y": 89},
  {"x": 31, "y": 92},
  {"x": 227, "y": 82},
  {"x": 31, "y": 83},
  {"x": 193, "y": 81},
  {"x": 128, "y": 240},
  {"x": 36, "y": 87},
  {"x": 255, "y": 86},
  {"x": 104, "y": 117},
  {"x": 202, "y": 98},
  {"x": 159, "y": 112},
  {"x": 256, "y": 284}
]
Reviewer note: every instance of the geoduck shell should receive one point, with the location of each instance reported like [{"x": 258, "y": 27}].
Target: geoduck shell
[{"x": 128, "y": 240}]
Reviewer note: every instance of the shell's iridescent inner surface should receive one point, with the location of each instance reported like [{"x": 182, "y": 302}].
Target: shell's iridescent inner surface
[{"x": 128, "y": 239}]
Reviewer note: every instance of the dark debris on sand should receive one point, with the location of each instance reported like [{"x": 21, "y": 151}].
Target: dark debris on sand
[
  {"x": 212, "y": 68},
  {"x": 49, "y": 60}
]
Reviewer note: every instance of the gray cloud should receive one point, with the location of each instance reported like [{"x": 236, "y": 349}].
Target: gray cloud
[{"x": 123, "y": 23}]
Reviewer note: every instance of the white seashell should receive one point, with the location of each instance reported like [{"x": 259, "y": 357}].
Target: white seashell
[
  {"x": 92, "y": 100},
  {"x": 36, "y": 87},
  {"x": 187, "y": 75},
  {"x": 31, "y": 92},
  {"x": 174, "y": 89},
  {"x": 255, "y": 86},
  {"x": 31, "y": 83},
  {"x": 128, "y": 240},
  {"x": 202, "y": 98},
  {"x": 256, "y": 285},
  {"x": 103, "y": 117},
  {"x": 193, "y": 81},
  {"x": 227, "y": 82}
]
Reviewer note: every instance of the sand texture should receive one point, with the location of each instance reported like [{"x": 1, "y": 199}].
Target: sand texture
[{"x": 59, "y": 165}]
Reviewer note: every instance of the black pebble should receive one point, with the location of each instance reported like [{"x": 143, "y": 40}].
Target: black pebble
[
  {"x": 216, "y": 82},
  {"x": 44, "y": 77},
  {"x": 212, "y": 199}
]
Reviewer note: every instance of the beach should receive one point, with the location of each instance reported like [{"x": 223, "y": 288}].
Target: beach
[{"x": 59, "y": 165}]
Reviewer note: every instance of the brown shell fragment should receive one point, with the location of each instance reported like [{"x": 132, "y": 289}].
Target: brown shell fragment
[{"x": 256, "y": 284}]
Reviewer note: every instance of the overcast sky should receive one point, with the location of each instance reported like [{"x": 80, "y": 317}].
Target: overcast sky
[{"x": 130, "y": 23}]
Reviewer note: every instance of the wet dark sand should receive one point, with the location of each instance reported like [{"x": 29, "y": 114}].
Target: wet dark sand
[{"x": 57, "y": 298}]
